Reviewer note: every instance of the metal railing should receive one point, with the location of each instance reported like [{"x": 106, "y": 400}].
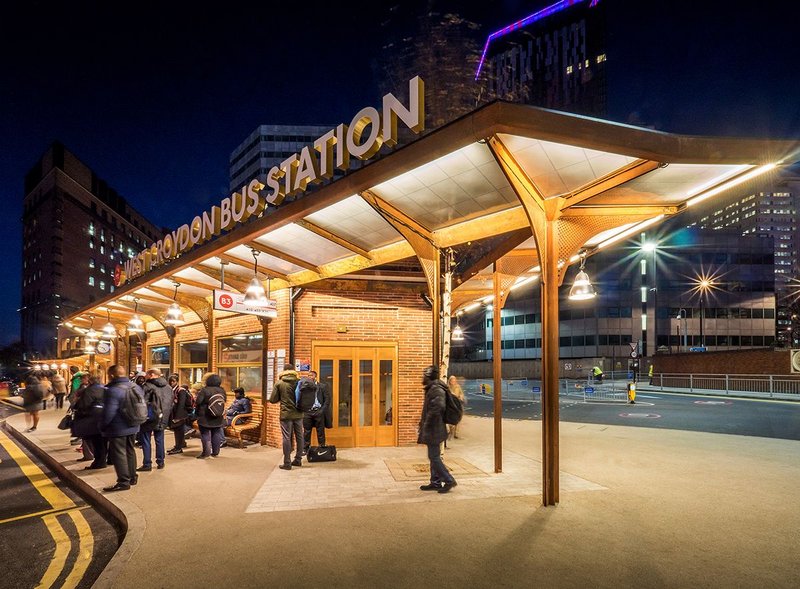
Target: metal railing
[
  {"x": 757, "y": 385},
  {"x": 614, "y": 386}
]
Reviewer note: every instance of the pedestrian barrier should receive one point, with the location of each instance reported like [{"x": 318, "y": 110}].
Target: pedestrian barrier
[{"x": 759, "y": 385}]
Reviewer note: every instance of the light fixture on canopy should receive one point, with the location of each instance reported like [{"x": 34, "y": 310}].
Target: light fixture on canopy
[
  {"x": 135, "y": 324},
  {"x": 174, "y": 313},
  {"x": 458, "y": 333},
  {"x": 91, "y": 334},
  {"x": 582, "y": 289},
  {"x": 109, "y": 331},
  {"x": 255, "y": 296}
]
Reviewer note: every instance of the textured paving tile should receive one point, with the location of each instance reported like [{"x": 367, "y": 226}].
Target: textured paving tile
[{"x": 382, "y": 476}]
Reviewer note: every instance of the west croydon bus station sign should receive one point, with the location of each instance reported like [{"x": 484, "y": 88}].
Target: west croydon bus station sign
[{"x": 368, "y": 131}]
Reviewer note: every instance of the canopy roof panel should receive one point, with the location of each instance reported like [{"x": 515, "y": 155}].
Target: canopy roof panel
[
  {"x": 463, "y": 183},
  {"x": 357, "y": 222}
]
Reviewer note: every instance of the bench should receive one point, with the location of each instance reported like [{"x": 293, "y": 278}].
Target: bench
[{"x": 247, "y": 424}]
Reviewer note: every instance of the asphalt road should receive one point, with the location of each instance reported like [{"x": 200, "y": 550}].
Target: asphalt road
[
  {"x": 744, "y": 417},
  {"x": 49, "y": 536}
]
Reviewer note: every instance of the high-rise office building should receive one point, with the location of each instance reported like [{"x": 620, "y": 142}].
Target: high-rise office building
[
  {"x": 641, "y": 293},
  {"x": 268, "y": 146},
  {"x": 76, "y": 229},
  {"x": 553, "y": 58}
]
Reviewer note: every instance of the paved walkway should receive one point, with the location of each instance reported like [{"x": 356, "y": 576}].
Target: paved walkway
[{"x": 639, "y": 508}]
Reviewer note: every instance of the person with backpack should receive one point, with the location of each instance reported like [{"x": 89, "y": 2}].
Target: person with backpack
[
  {"x": 87, "y": 411},
  {"x": 119, "y": 398},
  {"x": 313, "y": 402},
  {"x": 158, "y": 396},
  {"x": 182, "y": 407},
  {"x": 433, "y": 430},
  {"x": 291, "y": 417},
  {"x": 210, "y": 406}
]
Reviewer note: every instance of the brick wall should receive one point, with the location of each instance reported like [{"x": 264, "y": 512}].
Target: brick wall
[
  {"x": 400, "y": 317},
  {"x": 759, "y": 361}
]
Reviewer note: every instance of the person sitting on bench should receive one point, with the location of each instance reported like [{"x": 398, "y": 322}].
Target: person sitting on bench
[{"x": 240, "y": 405}]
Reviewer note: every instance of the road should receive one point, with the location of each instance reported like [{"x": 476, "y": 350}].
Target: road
[
  {"x": 49, "y": 536},
  {"x": 723, "y": 415}
]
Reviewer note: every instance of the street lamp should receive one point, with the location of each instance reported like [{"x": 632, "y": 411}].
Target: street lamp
[
  {"x": 648, "y": 247},
  {"x": 703, "y": 287}
]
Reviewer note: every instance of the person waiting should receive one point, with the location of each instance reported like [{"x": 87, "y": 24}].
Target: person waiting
[{"x": 240, "y": 406}]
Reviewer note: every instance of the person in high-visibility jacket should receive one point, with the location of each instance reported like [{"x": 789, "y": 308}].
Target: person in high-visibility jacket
[
  {"x": 650, "y": 374},
  {"x": 597, "y": 374}
]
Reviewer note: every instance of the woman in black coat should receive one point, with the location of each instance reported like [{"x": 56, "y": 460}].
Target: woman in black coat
[
  {"x": 32, "y": 396},
  {"x": 211, "y": 426},
  {"x": 88, "y": 410}
]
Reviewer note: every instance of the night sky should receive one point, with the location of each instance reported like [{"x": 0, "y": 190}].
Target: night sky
[{"x": 155, "y": 96}]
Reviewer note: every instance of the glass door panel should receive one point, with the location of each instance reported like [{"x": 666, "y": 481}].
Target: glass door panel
[
  {"x": 365, "y": 393},
  {"x": 345, "y": 394}
]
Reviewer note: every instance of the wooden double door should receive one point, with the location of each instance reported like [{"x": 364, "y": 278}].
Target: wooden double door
[{"x": 363, "y": 382}]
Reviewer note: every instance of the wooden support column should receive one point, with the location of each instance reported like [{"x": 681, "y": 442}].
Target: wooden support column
[
  {"x": 171, "y": 333},
  {"x": 210, "y": 330},
  {"x": 497, "y": 371},
  {"x": 421, "y": 239},
  {"x": 265, "y": 321},
  {"x": 549, "y": 307}
]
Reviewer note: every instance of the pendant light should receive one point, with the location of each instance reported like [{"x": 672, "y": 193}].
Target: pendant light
[
  {"x": 109, "y": 331},
  {"x": 174, "y": 313},
  {"x": 582, "y": 289},
  {"x": 91, "y": 334},
  {"x": 458, "y": 333},
  {"x": 254, "y": 296},
  {"x": 135, "y": 325}
]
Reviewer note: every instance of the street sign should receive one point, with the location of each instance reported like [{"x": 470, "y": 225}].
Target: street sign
[
  {"x": 536, "y": 389},
  {"x": 233, "y": 301},
  {"x": 634, "y": 346},
  {"x": 698, "y": 349},
  {"x": 588, "y": 390},
  {"x": 634, "y": 354}
]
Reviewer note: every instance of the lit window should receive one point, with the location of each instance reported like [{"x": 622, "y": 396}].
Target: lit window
[
  {"x": 91, "y": 244},
  {"x": 91, "y": 280},
  {"x": 102, "y": 249},
  {"x": 91, "y": 262},
  {"x": 102, "y": 285},
  {"x": 103, "y": 268},
  {"x": 569, "y": 69},
  {"x": 91, "y": 228}
]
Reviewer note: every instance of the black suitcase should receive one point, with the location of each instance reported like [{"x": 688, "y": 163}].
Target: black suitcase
[{"x": 321, "y": 454}]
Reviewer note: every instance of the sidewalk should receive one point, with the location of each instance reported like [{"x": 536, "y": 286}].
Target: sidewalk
[{"x": 639, "y": 507}]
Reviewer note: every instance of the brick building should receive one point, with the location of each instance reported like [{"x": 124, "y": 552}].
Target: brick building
[{"x": 76, "y": 228}]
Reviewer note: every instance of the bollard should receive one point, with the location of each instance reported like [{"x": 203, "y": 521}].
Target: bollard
[{"x": 632, "y": 393}]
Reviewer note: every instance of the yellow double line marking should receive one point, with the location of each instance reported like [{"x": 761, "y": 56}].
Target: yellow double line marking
[{"x": 60, "y": 503}]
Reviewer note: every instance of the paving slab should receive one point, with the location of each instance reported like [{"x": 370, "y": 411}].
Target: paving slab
[{"x": 639, "y": 508}]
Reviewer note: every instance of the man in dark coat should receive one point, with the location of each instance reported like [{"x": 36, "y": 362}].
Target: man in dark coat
[
  {"x": 158, "y": 396},
  {"x": 87, "y": 412},
  {"x": 315, "y": 416},
  {"x": 32, "y": 396},
  {"x": 291, "y": 417},
  {"x": 211, "y": 427},
  {"x": 433, "y": 431},
  {"x": 119, "y": 432},
  {"x": 183, "y": 405}
]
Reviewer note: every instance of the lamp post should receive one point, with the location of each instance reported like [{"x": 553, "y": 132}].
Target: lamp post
[
  {"x": 703, "y": 286},
  {"x": 648, "y": 247},
  {"x": 682, "y": 315}
]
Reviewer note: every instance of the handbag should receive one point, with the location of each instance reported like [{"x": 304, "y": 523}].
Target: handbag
[
  {"x": 66, "y": 421},
  {"x": 322, "y": 454}
]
